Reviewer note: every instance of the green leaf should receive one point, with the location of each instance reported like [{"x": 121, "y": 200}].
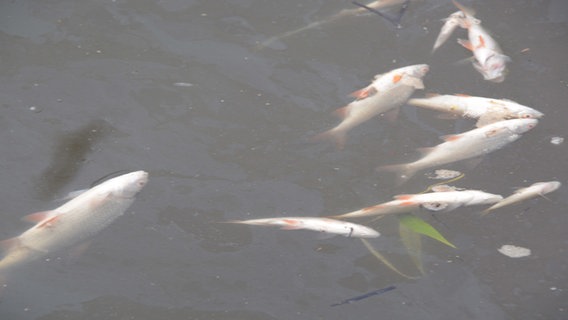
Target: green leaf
[
  {"x": 418, "y": 225},
  {"x": 384, "y": 260},
  {"x": 413, "y": 243}
]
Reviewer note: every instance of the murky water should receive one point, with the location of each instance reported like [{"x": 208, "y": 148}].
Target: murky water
[{"x": 180, "y": 89}]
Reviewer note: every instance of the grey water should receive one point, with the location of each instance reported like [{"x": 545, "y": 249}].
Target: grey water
[{"x": 181, "y": 89}]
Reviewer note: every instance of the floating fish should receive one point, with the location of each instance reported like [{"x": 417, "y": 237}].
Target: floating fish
[
  {"x": 490, "y": 60},
  {"x": 450, "y": 25},
  {"x": 434, "y": 201},
  {"x": 535, "y": 190},
  {"x": 375, "y": 5},
  {"x": 325, "y": 225},
  {"x": 74, "y": 221},
  {"x": 387, "y": 92},
  {"x": 486, "y": 110},
  {"x": 464, "y": 146}
]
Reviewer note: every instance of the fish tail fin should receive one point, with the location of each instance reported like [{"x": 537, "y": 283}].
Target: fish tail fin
[
  {"x": 466, "y": 10},
  {"x": 403, "y": 172},
  {"x": 339, "y": 137}
]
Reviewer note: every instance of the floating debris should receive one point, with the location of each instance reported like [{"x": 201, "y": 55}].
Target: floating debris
[
  {"x": 514, "y": 251},
  {"x": 364, "y": 296},
  {"x": 443, "y": 174},
  {"x": 183, "y": 84},
  {"x": 556, "y": 140}
]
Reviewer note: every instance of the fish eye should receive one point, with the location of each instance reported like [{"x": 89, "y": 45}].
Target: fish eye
[{"x": 526, "y": 116}]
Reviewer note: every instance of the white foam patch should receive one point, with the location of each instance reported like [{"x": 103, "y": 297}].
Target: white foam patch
[{"x": 514, "y": 251}]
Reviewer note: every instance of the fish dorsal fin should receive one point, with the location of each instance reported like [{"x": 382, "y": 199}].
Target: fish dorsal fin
[
  {"x": 404, "y": 196},
  {"x": 8, "y": 244},
  {"x": 425, "y": 151},
  {"x": 378, "y": 76},
  {"x": 462, "y": 95},
  {"x": 432, "y": 95},
  {"x": 342, "y": 112},
  {"x": 363, "y": 93},
  {"x": 38, "y": 216},
  {"x": 49, "y": 222},
  {"x": 468, "y": 11},
  {"x": 451, "y": 137},
  {"x": 72, "y": 195}
]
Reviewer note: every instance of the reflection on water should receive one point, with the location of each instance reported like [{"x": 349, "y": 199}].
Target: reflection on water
[{"x": 233, "y": 145}]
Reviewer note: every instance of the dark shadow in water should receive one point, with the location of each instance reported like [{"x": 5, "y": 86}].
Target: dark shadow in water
[{"x": 69, "y": 155}]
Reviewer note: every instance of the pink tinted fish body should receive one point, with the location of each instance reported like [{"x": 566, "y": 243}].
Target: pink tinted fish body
[
  {"x": 490, "y": 60},
  {"x": 448, "y": 200},
  {"x": 466, "y": 145},
  {"x": 325, "y": 225},
  {"x": 75, "y": 221},
  {"x": 449, "y": 26},
  {"x": 535, "y": 190},
  {"x": 486, "y": 110},
  {"x": 388, "y": 91}
]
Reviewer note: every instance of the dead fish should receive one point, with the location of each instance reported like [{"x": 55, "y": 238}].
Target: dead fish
[
  {"x": 490, "y": 60},
  {"x": 465, "y": 145},
  {"x": 387, "y": 92},
  {"x": 534, "y": 190},
  {"x": 325, "y": 225},
  {"x": 74, "y": 221},
  {"x": 434, "y": 201},
  {"x": 450, "y": 25},
  {"x": 376, "y": 5},
  {"x": 486, "y": 110}
]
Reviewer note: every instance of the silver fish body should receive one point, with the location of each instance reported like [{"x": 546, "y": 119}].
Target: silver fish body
[
  {"x": 490, "y": 60},
  {"x": 466, "y": 145},
  {"x": 74, "y": 221},
  {"x": 535, "y": 190},
  {"x": 387, "y": 92},
  {"x": 450, "y": 25},
  {"x": 324, "y": 225},
  {"x": 486, "y": 110},
  {"x": 439, "y": 201}
]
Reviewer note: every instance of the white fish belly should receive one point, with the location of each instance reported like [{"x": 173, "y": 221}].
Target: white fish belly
[{"x": 73, "y": 227}]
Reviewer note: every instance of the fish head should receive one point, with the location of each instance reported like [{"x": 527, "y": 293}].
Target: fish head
[
  {"x": 529, "y": 113},
  {"x": 546, "y": 187},
  {"x": 418, "y": 70},
  {"x": 519, "y": 126},
  {"x": 494, "y": 68},
  {"x": 128, "y": 185},
  {"x": 360, "y": 231}
]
